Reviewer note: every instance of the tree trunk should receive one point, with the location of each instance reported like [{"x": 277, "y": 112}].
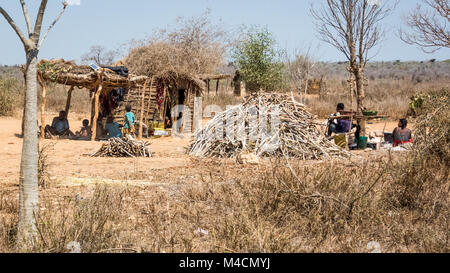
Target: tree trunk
[
  {"x": 360, "y": 99},
  {"x": 28, "y": 183}
]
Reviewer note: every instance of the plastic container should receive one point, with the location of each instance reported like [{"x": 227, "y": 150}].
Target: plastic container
[
  {"x": 362, "y": 142},
  {"x": 341, "y": 141},
  {"x": 389, "y": 138}
]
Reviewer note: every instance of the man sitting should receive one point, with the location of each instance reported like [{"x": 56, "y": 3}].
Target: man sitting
[
  {"x": 113, "y": 128},
  {"x": 339, "y": 126},
  {"x": 60, "y": 127}
]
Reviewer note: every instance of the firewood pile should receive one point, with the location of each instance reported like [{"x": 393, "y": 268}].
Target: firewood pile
[
  {"x": 294, "y": 135},
  {"x": 124, "y": 147}
]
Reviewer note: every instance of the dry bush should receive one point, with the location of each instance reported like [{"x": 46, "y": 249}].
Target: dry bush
[
  {"x": 43, "y": 164},
  {"x": 423, "y": 182},
  {"x": 92, "y": 221},
  {"x": 195, "y": 46},
  {"x": 11, "y": 95},
  {"x": 221, "y": 100}
]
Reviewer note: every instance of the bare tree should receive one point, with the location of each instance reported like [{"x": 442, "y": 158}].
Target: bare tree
[
  {"x": 28, "y": 184},
  {"x": 428, "y": 26},
  {"x": 352, "y": 26},
  {"x": 99, "y": 55},
  {"x": 299, "y": 71}
]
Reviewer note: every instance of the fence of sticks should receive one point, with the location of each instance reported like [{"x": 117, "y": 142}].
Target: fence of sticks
[
  {"x": 245, "y": 128},
  {"x": 124, "y": 147}
]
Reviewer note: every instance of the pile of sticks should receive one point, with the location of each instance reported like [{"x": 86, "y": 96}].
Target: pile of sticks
[
  {"x": 125, "y": 147},
  {"x": 250, "y": 127}
]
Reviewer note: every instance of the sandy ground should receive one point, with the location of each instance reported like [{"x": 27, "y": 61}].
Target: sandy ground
[{"x": 70, "y": 163}]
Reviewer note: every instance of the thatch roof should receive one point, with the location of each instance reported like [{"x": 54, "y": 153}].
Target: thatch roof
[
  {"x": 83, "y": 76},
  {"x": 67, "y": 73}
]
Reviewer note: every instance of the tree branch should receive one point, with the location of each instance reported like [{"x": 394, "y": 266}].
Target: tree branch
[
  {"x": 27, "y": 17},
  {"x": 53, "y": 24},
  {"x": 14, "y": 26},
  {"x": 39, "y": 19}
]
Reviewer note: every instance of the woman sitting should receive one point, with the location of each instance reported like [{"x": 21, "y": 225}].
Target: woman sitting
[{"x": 401, "y": 134}]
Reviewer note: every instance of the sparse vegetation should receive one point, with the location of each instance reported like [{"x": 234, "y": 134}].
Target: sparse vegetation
[
  {"x": 400, "y": 201},
  {"x": 258, "y": 60}
]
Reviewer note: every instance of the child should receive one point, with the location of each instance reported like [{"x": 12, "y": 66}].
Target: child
[
  {"x": 113, "y": 128},
  {"x": 128, "y": 127},
  {"x": 86, "y": 130}
]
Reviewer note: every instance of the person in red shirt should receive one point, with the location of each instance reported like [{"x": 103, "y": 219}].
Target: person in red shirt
[{"x": 401, "y": 134}]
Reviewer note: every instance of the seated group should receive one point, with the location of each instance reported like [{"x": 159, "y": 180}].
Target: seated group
[
  {"x": 60, "y": 128},
  {"x": 401, "y": 134}
]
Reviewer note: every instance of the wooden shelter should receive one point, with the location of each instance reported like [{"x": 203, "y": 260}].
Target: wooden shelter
[{"x": 151, "y": 98}]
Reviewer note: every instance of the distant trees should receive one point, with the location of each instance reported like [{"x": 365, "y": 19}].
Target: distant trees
[
  {"x": 28, "y": 182},
  {"x": 428, "y": 25},
  {"x": 258, "y": 60},
  {"x": 352, "y": 26},
  {"x": 99, "y": 55}
]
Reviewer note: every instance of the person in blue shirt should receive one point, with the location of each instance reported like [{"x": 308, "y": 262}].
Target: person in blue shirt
[
  {"x": 128, "y": 127},
  {"x": 113, "y": 128},
  {"x": 339, "y": 126},
  {"x": 59, "y": 127}
]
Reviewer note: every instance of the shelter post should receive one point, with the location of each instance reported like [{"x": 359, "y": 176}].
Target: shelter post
[
  {"x": 217, "y": 87},
  {"x": 69, "y": 98},
  {"x": 141, "y": 118},
  {"x": 208, "y": 86},
  {"x": 96, "y": 108},
  {"x": 43, "y": 103}
]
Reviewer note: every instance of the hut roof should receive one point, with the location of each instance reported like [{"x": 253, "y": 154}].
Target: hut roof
[
  {"x": 204, "y": 77},
  {"x": 83, "y": 76}
]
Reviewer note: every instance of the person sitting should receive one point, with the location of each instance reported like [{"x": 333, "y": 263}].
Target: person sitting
[
  {"x": 85, "y": 132},
  {"x": 113, "y": 128},
  {"x": 101, "y": 132},
  {"x": 59, "y": 127},
  {"x": 339, "y": 126},
  {"x": 401, "y": 134}
]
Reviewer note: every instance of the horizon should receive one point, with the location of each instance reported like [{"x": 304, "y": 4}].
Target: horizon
[{"x": 82, "y": 26}]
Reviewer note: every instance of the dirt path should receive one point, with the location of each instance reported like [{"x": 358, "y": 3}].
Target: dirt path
[{"x": 71, "y": 158}]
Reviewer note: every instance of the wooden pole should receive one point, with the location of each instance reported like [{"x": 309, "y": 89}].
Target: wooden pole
[
  {"x": 92, "y": 95},
  {"x": 208, "y": 87},
  {"x": 217, "y": 87},
  {"x": 141, "y": 118},
  {"x": 96, "y": 108},
  {"x": 69, "y": 98},
  {"x": 43, "y": 102}
]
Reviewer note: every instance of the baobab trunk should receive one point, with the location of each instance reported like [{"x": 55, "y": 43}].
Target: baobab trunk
[{"x": 28, "y": 185}]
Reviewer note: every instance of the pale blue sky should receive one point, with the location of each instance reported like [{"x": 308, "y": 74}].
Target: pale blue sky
[{"x": 113, "y": 22}]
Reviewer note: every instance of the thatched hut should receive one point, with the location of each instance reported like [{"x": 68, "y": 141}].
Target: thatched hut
[{"x": 111, "y": 88}]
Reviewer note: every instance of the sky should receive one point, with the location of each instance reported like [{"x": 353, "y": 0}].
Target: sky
[{"x": 112, "y": 23}]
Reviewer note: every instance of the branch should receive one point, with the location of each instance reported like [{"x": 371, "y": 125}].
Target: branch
[
  {"x": 39, "y": 19},
  {"x": 13, "y": 25},
  {"x": 53, "y": 24},
  {"x": 27, "y": 18}
]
